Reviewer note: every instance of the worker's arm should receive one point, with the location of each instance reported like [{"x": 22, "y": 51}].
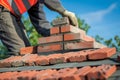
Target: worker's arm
[{"x": 55, "y": 5}]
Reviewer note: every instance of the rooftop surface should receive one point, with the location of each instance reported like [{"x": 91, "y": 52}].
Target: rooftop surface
[{"x": 68, "y": 54}]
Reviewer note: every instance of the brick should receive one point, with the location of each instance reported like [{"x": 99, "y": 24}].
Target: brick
[
  {"x": 27, "y": 75},
  {"x": 75, "y": 57},
  {"x": 45, "y": 75},
  {"x": 17, "y": 62},
  {"x": 56, "y": 58},
  {"x": 55, "y": 30},
  {"x": 50, "y": 48},
  {"x": 101, "y": 53},
  {"x": 79, "y": 45},
  {"x": 60, "y": 21},
  {"x": 68, "y": 74},
  {"x": 4, "y": 64},
  {"x": 67, "y": 56},
  {"x": 51, "y": 39},
  {"x": 76, "y": 75},
  {"x": 102, "y": 72},
  {"x": 63, "y": 73},
  {"x": 73, "y": 36},
  {"x": 7, "y": 62},
  {"x": 88, "y": 38},
  {"x": 92, "y": 74},
  {"x": 41, "y": 60},
  {"x": 6, "y": 76},
  {"x": 28, "y": 59},
  {"x": 26, "y": 50},
  {"x": 108, "y": 71},
  {"x": 83, "y": 75},
  {"x": 82, "y": 45},
  {"x": 72, "y": 29}
]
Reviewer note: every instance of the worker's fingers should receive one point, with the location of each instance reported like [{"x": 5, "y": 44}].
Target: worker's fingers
[{"x": 72, "y": 18}]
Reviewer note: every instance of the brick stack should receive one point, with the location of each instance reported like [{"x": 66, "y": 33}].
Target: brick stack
[
  {"x": 68, "y": 57},
  {"x": 66, "y": 37},
  {"x": 102, "y": 72}
]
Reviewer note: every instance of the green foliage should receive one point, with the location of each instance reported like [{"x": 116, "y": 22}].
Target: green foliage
[
  {"x": 112, "y": 42},
  {"x": 82, "y": 25},
  {"x": 31, "y": 32},
  {"x": 3, "y": 51}
]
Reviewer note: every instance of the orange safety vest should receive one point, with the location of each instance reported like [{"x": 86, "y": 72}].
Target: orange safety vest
[{"x": 18, "y": 7}]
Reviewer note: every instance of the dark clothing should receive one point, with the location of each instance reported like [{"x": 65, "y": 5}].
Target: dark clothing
[
  {"x": 12, "y": 33},
  {"x": 12, "y": 30}
]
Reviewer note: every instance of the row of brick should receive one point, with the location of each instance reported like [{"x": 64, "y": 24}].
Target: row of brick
[
  {"x": 38, "y": 60},
  {"x": 60, "y": 39},
  {"x": 102, "y": 72},
  {"x": 68, "y": 32},
  {"x": 61, "y": 46},
  {"x": 66, "y": 37}
]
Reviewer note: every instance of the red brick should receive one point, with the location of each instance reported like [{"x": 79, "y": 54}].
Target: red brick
[
  {"x": 51, "y": 47},
  {"x": 72, "y": 29},
  {"x": 76, "y": 75},
  {"x": 102, "y": 72},
  {"x": 28, "y": 59},
  {"x": 7, "y": 62},
  {"x": 75, "y": 57},
  {"x": 83, "y": 75},
  {"x": 45, "y": 75},
  {"x": 92, "y": 74},
  {"x": 26, "y": 50},
  {"x": 55, "y": 30},
  {"x": 101, "y": 53},
  {"x": 31, "y": 60},
  {"x": 73, "y": 36},
  {"x": 67, "y": 74},
  {"x": 41, "y": 60},
  {"x": 17, "y": 62},
  {"x": 60, "y": 21},
  {"x": 27, "y": 75},
  {"x": 110, "y": 51},
  {"x": 56, "y": 58},
  {"x": 108, "y": 71},
  {"x": 5, "y": 76},
  {"x": 88, "y": 38},
  {"x": 67, "y": 56},
  {"x": 79, "y": 45},
  {"x": 51, "y": 39}
]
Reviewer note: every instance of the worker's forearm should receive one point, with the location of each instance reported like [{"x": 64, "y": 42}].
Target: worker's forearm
[{"x": 54, "y": 5}]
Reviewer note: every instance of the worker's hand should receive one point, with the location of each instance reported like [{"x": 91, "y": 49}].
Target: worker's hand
[{"x": 71, "y": 16}]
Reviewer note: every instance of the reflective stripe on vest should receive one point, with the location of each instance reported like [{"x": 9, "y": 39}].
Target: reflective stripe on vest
[{"x": 18, "y": 7}]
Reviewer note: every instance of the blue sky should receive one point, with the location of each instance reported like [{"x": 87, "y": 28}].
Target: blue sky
[{"x": 102, "y": 15}]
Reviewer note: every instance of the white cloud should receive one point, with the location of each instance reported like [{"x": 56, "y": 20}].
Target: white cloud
[{"x": 98, "y": 16}]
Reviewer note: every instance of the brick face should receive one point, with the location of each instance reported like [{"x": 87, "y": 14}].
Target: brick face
[
  {"x": 56, "y": 58},
  {"x": 79, "y": 45},
  {"x": 72, "y": 29},
  {"x": 55, "y": 30},
  {"x": 26, "y": 50},
  {"x": 102, "y": 72},
  {"x": 52, "y": 47},
  {"x": 72, "y": 36},
  {"x": 50, "y": 39},
  {"x": 102, "y": 53}
]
